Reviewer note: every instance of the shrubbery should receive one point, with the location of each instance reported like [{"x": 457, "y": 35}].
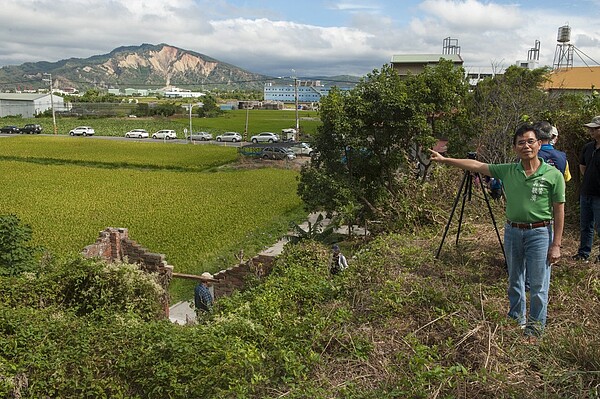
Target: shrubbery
[{"x": 17, "y": 254}]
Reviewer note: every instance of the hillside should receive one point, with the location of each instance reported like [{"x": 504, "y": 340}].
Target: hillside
[
  {"x": 396, "y": 324},
  {"x": 144, "y": 66}
]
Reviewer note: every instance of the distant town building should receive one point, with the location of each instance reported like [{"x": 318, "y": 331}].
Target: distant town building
[
  {"x": 29, "y": 105},
  {"x": 309, "y": 91},
  {"x": 175, "y": 92},
  {"x": 414, "y": 64}
]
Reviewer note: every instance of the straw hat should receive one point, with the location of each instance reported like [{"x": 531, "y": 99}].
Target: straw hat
[{"x": 206, "y": 276}]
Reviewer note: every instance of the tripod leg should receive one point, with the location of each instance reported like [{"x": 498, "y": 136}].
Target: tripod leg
[
  {"x": 462, "y": 184},
  {"x": 487, "y": 201},
  {"x": 466, "y": 195}
]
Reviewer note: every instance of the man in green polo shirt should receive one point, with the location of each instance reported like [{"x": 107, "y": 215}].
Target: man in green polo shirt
[{"x": 535, "y": 199}]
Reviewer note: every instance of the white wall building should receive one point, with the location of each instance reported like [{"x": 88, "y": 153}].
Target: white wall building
[{"x": 29, "y": 105}]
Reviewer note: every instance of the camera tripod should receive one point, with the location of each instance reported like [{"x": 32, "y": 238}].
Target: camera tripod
[{"x": 466, "y": 191}]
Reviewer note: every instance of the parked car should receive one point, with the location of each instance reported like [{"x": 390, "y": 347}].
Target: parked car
[
  {"x": 165, "y": 134},
  {"x": 9, "y": 129},
  {"x": 200, "y": 136},
  {"x": 31, "y": 128},
  {"x": 82, "y": 131},
  {"x": 137, "y": 133},
  {"x": 265, "y": 137},
  {"x": 277, "y": 153},
  {"x": 302, "y": 149},
  {"x": 230, "y": 136}
]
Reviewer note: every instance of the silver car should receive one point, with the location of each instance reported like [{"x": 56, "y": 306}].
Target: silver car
[
  {"x": 200, "y": 136},
  {"x": 165, "y": 134},
  {"x": 230, "y": 136},
  {"x": 82, "y": 131},
  {"x": 265, "y": 137}
]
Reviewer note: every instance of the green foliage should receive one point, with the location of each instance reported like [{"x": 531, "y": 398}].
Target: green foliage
[
  {"x": 17, "y": 254},
  {"x": 496, "y": 107},
  {"x": 372, "y": 136},
  {"x": 94, "y": 96},
  {"x": 210, "y": 108},
  {"x": 314, "y": 231}
]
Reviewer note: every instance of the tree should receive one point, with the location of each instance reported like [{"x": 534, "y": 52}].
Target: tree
[
  {"x": 496, "y": 107},
  {"x": 371, "y": 136},
  {"x": 210, "y": 108}
]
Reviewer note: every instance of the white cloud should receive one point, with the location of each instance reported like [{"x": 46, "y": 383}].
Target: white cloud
[{"x": 261, "y": 40}]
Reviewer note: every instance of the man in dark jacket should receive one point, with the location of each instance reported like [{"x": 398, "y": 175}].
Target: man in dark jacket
[{"x": 589, "y": 199}]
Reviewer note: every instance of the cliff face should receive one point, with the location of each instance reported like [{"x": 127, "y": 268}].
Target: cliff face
[{"x": 144, "y": 66}]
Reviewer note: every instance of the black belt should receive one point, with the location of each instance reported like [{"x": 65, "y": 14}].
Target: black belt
[{"x": 530, "y": 226}]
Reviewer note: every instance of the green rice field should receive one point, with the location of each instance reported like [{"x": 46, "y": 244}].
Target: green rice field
[{"x": 175, "y": 202}]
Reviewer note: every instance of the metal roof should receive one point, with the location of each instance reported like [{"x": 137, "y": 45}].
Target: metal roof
[
  {"x": 582, "y": 78},
  {"x": 425, "y": 58},
  {"x": 23, "y": 96}
]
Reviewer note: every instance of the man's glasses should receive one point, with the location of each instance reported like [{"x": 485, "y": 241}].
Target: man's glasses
[{"x": 530, "y": 142}]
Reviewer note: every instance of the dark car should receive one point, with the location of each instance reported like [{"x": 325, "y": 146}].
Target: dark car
[
  {"x": 9, "y": 129},
  {"x": 31, "y": 128}
]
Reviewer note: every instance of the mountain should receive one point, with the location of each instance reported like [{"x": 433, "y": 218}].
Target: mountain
[{"x": 145, "y": 66}]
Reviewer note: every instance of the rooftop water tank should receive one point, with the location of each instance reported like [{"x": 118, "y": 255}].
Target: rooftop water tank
[{"x": 564, "y": 34}]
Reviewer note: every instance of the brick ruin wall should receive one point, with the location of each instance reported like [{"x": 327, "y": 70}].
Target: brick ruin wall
[
  {"x": 234, "y": 278},
  {"x": 114, "y": 244}
]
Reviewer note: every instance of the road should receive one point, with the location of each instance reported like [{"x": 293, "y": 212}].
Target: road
[{"x": 149, "y": 140}]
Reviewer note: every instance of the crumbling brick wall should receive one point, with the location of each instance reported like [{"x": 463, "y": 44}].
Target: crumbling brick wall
[
  {"x": 114, "y": 244},
  {"x": 235, "y": 277}
]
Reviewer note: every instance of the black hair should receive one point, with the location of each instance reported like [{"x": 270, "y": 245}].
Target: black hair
[{"x": 524, "y": 128}]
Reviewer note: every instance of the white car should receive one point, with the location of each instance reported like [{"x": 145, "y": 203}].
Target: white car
[
  {"x": 265, "y": 137},
  {"x": 230, "y": 136},
  {"x": 82, "y": 131},
  {"x": 165, "y": 134},
  {"x": 302, "y": 149},
  {"x": 137, "y": 133},
  {"x": 200, "y": 136}
]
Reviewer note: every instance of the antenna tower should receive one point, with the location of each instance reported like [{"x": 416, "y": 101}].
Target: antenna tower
[{"x": 451, "y": 46}]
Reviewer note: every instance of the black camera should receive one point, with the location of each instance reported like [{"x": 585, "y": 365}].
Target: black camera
[{"x": 472, "y": 155}]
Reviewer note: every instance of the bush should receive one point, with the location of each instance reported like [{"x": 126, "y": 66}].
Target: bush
[{"x": 17, "y": 255}]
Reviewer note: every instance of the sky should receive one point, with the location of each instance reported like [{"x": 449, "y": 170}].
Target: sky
[{"x": 301, "y": 38}]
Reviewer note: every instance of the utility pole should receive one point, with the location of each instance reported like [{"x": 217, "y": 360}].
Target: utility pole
[
  {"x": 246, "y": 135},
  {"x": 51, "y": 101},
  {"x": 191, "y": 131},
  {"x": 296, "y": 102}
]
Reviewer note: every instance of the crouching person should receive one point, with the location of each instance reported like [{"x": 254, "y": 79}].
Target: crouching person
[{"x": 203, "y": 299}]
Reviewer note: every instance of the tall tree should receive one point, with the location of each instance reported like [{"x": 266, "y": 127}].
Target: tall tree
[{"x": 370, "y": 136}]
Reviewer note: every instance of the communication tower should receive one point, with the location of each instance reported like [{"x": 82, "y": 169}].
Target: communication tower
[{"x": 563, "y": 56}]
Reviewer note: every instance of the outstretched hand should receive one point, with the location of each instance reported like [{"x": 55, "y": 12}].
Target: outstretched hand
[{"x": 436, "y": 156}]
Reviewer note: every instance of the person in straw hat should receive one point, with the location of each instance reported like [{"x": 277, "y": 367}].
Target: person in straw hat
[{"x": 203, "y": 299}]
